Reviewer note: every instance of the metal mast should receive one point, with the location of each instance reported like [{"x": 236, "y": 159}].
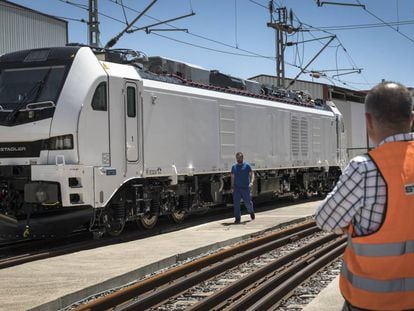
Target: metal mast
[
  {"x": 280, "y": 26},
  {"x": 93, "y": 24}
]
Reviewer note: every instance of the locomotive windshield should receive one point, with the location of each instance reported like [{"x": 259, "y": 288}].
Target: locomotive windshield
[{"x": 29, "y": 94}]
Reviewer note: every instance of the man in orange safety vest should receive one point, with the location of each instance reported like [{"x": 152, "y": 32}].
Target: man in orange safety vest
[{"x": 373, "y": 202}]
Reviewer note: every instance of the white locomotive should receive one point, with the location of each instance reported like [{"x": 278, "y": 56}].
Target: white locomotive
[{"x": 89, "y": 138}]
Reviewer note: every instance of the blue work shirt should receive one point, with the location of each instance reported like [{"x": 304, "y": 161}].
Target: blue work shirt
[{"x": 241, "y": 175}]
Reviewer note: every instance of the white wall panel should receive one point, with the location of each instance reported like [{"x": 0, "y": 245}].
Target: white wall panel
[
  {"x": 22, "y": 28},
  {"x": 354, "y": 120}
]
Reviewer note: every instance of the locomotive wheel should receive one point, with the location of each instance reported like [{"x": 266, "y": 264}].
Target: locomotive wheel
[
  {"x": 114, "y": 227},
  {"x": 322, "y": 194},
  {"x": 309, "y": 194},
  {"x": 148, "y": 221},
  {"x": 177, "y": 216},
  {"x": 295, "y": 196}
]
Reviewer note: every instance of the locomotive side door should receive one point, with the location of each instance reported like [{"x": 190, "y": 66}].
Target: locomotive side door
[{"x": 132, "y": 115}]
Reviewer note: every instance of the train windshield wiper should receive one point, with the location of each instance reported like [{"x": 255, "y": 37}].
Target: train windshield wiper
[{"x": 36, "y": 89}]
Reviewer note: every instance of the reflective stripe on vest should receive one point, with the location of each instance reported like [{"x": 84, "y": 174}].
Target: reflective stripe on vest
[
  {"x": 378, "y": 286},
  {"x": 381, "y": 250}
]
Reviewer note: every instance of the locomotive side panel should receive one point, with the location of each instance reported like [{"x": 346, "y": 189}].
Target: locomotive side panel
[
  {"x": 330, "y": 142},
  {"x": 253, "y": 136},
  {"x": 179, "y": 130},
  {"x": 177, "y": 126},
  {"x": 280, "y": 155}
]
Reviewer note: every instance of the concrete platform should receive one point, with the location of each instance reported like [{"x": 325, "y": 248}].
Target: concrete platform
[{"x": 54, "y": 283}]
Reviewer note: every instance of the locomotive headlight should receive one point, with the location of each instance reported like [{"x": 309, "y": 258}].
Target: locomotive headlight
[
  {"x": 41, "y": 192},
  {"x": 68, "y": 142},
  {"x": 61, "y": 142},
  {"x": 41, "y": 196}
]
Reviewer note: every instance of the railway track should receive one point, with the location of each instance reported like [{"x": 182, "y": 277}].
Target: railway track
[
  {"x": 24, "y": 251},
  {"x": 254, "y": 275}
]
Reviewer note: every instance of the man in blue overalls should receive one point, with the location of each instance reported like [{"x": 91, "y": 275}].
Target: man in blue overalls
[{"x": 242, "y": 178}]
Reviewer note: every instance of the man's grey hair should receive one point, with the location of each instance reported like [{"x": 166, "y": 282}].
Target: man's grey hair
[{"x": 389, "y": 103}]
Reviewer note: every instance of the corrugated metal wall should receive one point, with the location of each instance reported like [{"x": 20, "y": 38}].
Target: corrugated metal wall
[
  {"x": 21, "y": 28},
  {"x": 315, "y": 89},
  {"x": 355, "y": 126}
]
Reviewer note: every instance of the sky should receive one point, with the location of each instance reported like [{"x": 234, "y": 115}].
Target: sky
[{"x": 375, "y": 38}]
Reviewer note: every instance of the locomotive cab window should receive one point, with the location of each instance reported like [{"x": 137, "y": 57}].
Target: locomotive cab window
[
  {"x": 29, "y": 94},
  {"x": 131, "y": 102},
  {"x": 100, "y": 100}
]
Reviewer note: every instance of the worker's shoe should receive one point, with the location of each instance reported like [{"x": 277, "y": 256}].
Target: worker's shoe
[
  {"x": 252, "y": 216},
  {"x": 237, "y": 221}
]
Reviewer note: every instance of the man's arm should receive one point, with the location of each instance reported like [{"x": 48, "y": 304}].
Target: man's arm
[
  {"x": 251, "y": 174},
  {"x": 346, "y": 199}
]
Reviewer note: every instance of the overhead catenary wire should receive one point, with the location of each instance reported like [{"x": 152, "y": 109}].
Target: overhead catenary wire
[
  {"x": 214, "y": 50},
  {"x": 322, "y": 43},
  {"x": 398, "y": 14},
  {"x": 386, "y": 23},
  {"x": 336, "y": 46},
  {"x": 235, "y": 23},
  {"x": 81, "y": 6},
  {"x": 364, "y": 26},
  {"x": 252, "y": 54},
  {"x": 192, "y": 33},
  {"x": 262, "y": 5},
  {"x": 248, "y": 52},
  {"x": 86, "y": 9},
  {"x": 123, "y": 10},
  {"x": 189, "y": 32},
  {"x": 350, "y": 59}
]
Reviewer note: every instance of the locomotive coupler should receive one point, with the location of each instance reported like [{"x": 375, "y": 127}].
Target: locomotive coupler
[{"x": 26, "y": 232}]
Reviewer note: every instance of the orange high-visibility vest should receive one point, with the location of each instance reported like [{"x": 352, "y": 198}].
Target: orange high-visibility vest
[{"x": 378, "y": 269}]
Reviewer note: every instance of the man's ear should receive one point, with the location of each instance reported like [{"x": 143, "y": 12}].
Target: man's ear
[{"x": 369, "y": 120}]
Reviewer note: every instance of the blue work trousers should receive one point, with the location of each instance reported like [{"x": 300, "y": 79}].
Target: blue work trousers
[{"x": 241, "y": 193}]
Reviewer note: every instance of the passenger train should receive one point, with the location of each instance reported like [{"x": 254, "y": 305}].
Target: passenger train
[{"x": 93, "y": 138}]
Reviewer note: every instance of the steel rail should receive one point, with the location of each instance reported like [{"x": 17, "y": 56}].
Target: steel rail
[
  {"x": 145, "y": 286},
  {"x": 238, "y": 289},
  {"x": 292, "y": 278},
  {"x": 205, "y": 273},
  {"x": 256, "y": 291}
]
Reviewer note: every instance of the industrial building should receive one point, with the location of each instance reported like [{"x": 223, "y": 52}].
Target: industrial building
[{"x": 23, "y": 28}]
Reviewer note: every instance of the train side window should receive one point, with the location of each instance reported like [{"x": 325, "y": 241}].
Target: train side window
[
  {"x": 131, "y": 102},
  {"x": 100, "y": 100}
]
